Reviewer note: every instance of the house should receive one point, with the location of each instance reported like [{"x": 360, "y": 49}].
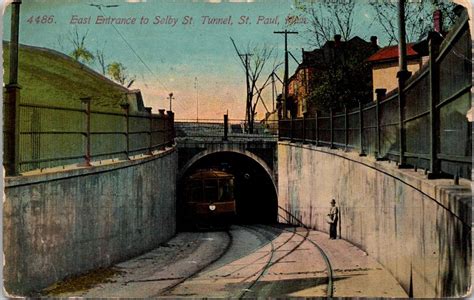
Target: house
[
  {"x": 315, "y": 63},
  {"x": 298, "y": 91},
  {"x": 385, "y": 66}
]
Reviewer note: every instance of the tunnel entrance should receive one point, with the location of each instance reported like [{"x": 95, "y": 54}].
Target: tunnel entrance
[{"x": 254, "y": 191}]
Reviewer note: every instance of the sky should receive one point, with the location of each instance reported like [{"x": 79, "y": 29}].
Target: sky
[{"x": 172, "y": 57}]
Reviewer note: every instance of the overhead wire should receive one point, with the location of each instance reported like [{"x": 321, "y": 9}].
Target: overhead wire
[{"x": 167, "y": 90}]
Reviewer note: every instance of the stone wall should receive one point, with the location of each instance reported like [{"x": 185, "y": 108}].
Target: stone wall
[
  {"x": 65, "y": 223},
  {"x": 419, "y": 229}
]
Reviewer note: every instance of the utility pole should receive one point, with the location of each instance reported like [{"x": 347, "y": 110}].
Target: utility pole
[
  {"x": 402, "y": 75},
  {"x": 273, "y": 92},
  {"x": 248, "y": 108},
  {"x": 11, "y": 112},
  {"x": 402, "y": 47},
  {"x": 171, "y": 99},
  {"x": 285, "y": 79}
]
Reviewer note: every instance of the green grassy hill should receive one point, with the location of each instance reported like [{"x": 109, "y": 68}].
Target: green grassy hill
[{"x": 52, "y": 78}]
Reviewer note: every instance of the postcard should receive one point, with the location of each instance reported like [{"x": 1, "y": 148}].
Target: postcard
[{"x": 237, "y": 148}]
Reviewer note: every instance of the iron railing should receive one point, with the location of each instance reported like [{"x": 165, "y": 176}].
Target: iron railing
[
  {"x": 52, "y": 136},
  {"x": 437, "y": 134},
  {"x": 223, "y": 129}
]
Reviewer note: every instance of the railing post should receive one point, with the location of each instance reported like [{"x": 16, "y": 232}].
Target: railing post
[
  {"x": 346, "y": 129},
  {"x": 11, "y": 113},
  {"x": 150, "y": 130},
  {"x": 226, "y": 126},
  {"x": 169, "y": 127},
  {"x": 402, "y": 77},
  {"x": 11, "y": 123},
  {"x": 380, "y": 95},
  {"x": 331, "y": 126},
  {"x": 87, "y": 157},
  {"x": 162, "y": 119},
  {"x": 435, "y": 168},
  {"x": 361, "y": 129},
  {"x": 126, "y": 108},
  {"x": 304, "y": 128},
  {"x": 316, "y": 129}
]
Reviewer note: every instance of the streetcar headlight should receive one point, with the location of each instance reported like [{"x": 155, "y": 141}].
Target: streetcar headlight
[{"x": 212, "y": 207}]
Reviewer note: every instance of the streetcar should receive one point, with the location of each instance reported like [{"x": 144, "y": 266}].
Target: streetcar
[{"x": 209, "y": 197}]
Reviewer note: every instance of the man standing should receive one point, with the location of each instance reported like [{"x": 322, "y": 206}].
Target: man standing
[{"x": 332, "y": 220}]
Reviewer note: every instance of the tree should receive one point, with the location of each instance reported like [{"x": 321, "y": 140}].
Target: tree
[
  {"x": 100, "y": 58},
  {"x": 118, "y": 72},
  {"x": 254, "y": 60},
  {"x": 327, "y": 18},
  {"x": 418, "y": 17},
  {"x": 80, "y": 51},
  {"x": 345, "y": 81}
]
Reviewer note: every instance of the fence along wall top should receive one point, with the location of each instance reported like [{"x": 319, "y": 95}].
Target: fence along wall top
[{"x": 136, "y": 114}]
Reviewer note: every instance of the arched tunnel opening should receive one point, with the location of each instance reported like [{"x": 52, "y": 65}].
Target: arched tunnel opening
[{"x": 253, "y": 188}]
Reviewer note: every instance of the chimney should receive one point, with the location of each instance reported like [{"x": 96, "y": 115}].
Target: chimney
[
  {"x": 438, "y": 20},
  {"x": 337, "y": 40},
  {"x": 373, "y": 40}
]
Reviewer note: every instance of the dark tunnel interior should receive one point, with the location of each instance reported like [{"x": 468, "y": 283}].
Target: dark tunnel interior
[{"x": 254, "y": 191}]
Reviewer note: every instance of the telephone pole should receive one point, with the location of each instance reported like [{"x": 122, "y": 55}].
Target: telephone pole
[
  {"x": 285, "y": 79},
  {"x": 403, "y": 74},
  {"x": 248, "y": 108},
  {"x": 273, "y": 92}
]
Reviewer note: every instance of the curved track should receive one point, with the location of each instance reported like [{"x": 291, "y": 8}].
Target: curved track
[
  {"x": 267, "y": 235},
  {"x": 248, "y": 261},
  {"x": 198, "y": 271},
  {"x": 330, "y": 288}
]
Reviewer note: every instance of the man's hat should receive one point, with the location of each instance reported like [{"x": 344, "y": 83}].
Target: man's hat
[{"x": 333, "y": 201}]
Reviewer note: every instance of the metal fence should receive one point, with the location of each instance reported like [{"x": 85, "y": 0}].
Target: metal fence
[
  {"x": 429, "y": 130},
  {"x": 223, "y": 129},
  {"x": 52, "y": 136}
]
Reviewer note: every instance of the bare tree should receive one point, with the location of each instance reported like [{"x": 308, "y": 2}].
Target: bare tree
[
  {"x": 100, "y": 59},
  {"x": 418, "y": 17},
  {"x": 254, "y": 62},
  {"x": 80, "y": 51},
  {"x": 327, "y": 18}
]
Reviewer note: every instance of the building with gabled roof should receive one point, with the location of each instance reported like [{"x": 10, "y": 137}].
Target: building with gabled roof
[
  {"x": 318, "y": 61},
  {"x": 385, "y": 66}
]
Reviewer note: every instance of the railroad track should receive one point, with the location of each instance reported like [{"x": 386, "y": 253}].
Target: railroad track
[
  {"x": 330, "y": 289},
  {"x": 266, "y": 234},
  {"x": 270, "y": 262},
  {"x": 330, "y": 283},
  {"x": 263, "y": 270},
  {"x": 199, "y": 270}
]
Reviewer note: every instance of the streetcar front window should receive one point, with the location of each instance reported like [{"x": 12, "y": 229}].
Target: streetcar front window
[
  {"x": 225, "y": 190},
  {"x": 195, "y": 191},
  {"x": 210, "y": 190}
]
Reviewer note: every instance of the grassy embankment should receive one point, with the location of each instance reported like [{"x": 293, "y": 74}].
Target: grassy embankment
[{"x": 52, "y": 78}]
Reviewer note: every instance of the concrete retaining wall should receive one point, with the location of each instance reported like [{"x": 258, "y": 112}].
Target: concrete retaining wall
[
  {"x": 419, "y": 229},
  {"x": 65, "y": 223}
]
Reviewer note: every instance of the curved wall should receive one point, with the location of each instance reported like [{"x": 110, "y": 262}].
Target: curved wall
[
  {"x": 419, "y": 229},
  {"x": 65, "y": 223}
]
